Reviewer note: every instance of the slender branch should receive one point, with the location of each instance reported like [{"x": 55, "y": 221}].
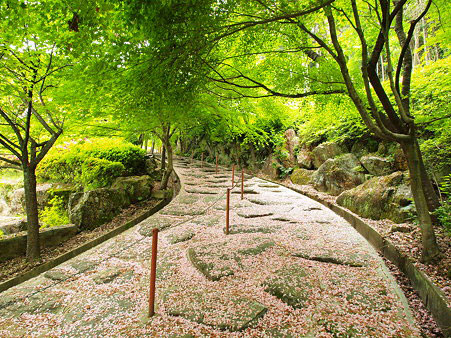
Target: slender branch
[
  {"x": 246, "y": 24},
  {"x": 406, "y": 44},
  {"x": 12, "y": 125},
  {"x": 51, "y": 72},
  {"x": 45, "y": 149},
  {"x": 422, "y": 124},
  {"x": 7, "y": 160},
  {"x": 10, "y": 148},
  {"x": 258, "y": 84}
]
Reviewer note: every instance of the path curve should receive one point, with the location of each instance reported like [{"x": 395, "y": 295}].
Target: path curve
[{"x": 290, "y": 267}]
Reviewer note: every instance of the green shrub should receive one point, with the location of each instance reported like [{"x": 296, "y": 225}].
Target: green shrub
[
  {"x": 443, "y": 212},
  {"x": 55, "y": 214},
  {"x": 131, "y": 156},
  {"x": 98, "y": 172},
  {"x": 64, "y": 163}
]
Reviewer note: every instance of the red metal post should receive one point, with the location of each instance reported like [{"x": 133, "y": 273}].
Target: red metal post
[
  {"x": 233, "y": 175},
  {"x": 153, "y": 272},
  {"x": 227, "y": 211},
  {"x": 242, "y": 183},
  {"x": 216, "y": 163}
]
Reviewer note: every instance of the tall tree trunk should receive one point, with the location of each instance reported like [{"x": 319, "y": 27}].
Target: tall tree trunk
[
  {"x": 153, "y": 147},
  {"x": 31, "y": 206},
  {"x": 432, "y": 197},
  {"x": 170, "y": 167},
  {"x": 163, "y": 157},
  {"x": 415, "y": 163}
]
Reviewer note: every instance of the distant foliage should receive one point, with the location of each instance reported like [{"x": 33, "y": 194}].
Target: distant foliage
[
  {"x": 336, "y": 121},
  {"x": 431, "y": 101},
  {"x": 92, "y": 163}
]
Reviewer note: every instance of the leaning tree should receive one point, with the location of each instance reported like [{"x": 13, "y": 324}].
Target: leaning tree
[{"x": 301, "y": 49}]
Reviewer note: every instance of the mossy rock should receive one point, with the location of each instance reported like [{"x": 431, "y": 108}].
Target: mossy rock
[
  {"x": 268, "y": 185},
  {"x": 329, "y": 257},
  {"x": 208, "y": 199},
  {"x": 380, "y": 197},
  {"x": 360, "y": 298},
  {"x": 181, "y": 211},
  {"x": 83, "y": 265},
  {"x": 209, "y": 270},
  {"x": 208, "y": 220},
  {"x": 203, "y": 309},
  {"x": 161, "y": 223},
  {"x": 187, "y": 199},
  {"x": 301, "y": 176},
  {"x": 106, "y": 276},
  {"x": 253, "y": 213},
  {"x": 290, "y": 285},
  {"x": 57, "y": 275},
  {"x": 245, "y": 191},
  {"x": 180, "y": 237},
  {"x": 201, "y": 191},
  {"x": 261, "y": 201},
  {"x": 258, "y": 249},
  {"x": 246, "y": 229}
]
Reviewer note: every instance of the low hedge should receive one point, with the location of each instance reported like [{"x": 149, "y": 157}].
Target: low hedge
[{"x": 93, "y": 163}]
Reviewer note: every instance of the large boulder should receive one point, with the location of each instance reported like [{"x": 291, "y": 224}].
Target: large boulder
[
  {"x": 151, "y": 164},
  {"x": 291, "y": 142},
  {"x": 44, "y": 194},
  {"x": 270, "y": 167},
  {"x": 339, "y": 174},
  {"x": 137, "y": 188},
  {"x": 400, "y": 160},
  {"x": 301, "y": 176},
  {"x": 377, "y": 166},
  {"x": 11, "y": 225},
  {"x": 380, "y": 197},
  {"x": 91, "y": 209},
  {"x": 364, "y": 146},
  {"x": 18, "y": 198},
  {"x": 325, "y": 151},
  {"x": 304, "y": 159}
]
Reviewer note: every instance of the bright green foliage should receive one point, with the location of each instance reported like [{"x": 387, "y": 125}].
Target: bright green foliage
[
  {"x": 92, "y": 163},
  {"x": 337, "y": 121},
  {"x": 99, "y": 173},
  {"x": 55, "y": 214},
  {"x": 443, "y": 213},
  {"x": 129, "y": 155},
  {"x": 431, "y": 101}
]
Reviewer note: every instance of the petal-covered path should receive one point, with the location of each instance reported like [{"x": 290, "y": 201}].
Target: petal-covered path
[{"x": 289, "y": 268}]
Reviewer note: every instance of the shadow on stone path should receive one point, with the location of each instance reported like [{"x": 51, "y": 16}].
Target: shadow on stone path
[{"x": 289, "y": 268}]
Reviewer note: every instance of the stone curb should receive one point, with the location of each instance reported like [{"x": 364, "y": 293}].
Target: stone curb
[
  {"x": 433, "y": 298},
  {"x": 82, "y": 248}
]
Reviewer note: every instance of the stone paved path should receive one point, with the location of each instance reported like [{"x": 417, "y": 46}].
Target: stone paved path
[{"x": 289, "y": 268}]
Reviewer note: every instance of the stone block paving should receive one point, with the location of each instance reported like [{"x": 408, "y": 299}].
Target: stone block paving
[{"x": 289, "y": 268}]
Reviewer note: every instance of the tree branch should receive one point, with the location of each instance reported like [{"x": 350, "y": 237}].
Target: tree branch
[{"x": 246, "y": 24}]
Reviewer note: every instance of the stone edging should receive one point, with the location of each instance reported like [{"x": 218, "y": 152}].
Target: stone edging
[
  {"x": 82, "y": 248},
  {"x": 433, "y": 298}
]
